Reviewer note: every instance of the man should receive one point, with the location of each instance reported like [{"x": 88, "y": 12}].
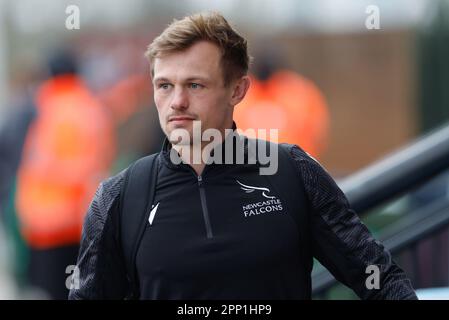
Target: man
[{"x": 220, "y": 231}]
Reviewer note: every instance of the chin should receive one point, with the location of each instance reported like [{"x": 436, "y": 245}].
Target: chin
[{"x": 180, "y": 135}]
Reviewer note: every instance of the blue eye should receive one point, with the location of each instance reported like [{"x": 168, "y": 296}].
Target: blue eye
[
  {"x": 164, "y": 86},
  {"x": 195, "y": 86}
]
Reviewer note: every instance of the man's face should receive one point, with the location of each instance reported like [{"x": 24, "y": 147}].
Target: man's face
[{"x": 188, "y": 86}]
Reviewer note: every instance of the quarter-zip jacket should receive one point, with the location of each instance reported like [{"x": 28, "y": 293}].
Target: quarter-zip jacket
[{"x": 211, "y": 237}]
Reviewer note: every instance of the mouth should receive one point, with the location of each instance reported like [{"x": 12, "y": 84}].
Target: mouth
[{"x": 179, "y": 119}]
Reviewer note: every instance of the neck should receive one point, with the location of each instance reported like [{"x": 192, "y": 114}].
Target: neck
[{"x": 194, "y": 157}]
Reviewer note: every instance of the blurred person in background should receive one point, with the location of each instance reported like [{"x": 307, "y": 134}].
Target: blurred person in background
[
  {"x": 68, "y": 150},
  {"x": 114, "y": 68},
  {"x": 129, "y": 100},
  {"x": 281, "y": 99}
]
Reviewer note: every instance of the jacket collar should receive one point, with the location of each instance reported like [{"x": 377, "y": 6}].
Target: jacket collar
[{"x": 233, "y": 145}]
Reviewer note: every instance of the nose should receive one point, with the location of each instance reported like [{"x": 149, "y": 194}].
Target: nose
[{"x": 180, "y": 99}]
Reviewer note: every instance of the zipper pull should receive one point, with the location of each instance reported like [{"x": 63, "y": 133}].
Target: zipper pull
[{"x": 200, "y": 180}]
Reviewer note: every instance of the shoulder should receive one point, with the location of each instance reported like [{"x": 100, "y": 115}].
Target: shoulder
[
  {"x": 298, "y": 154},
  {"x": 310, "y": 169},
  {"x": 105, "y": 200},
  {"x": 110, "y": 188}
]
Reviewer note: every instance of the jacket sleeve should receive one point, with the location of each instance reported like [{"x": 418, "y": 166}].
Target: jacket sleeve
[
  {"x": 100, "y": 263},
  {"x": 340, "y": 240}
]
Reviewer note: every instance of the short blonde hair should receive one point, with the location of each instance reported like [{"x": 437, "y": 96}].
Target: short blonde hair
[{"x": 213, "y": 27}]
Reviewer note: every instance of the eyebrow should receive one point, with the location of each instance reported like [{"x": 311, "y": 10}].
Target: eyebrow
[
  {"x": 160, "y": 80},
  {"x": 163, "y": 79}
]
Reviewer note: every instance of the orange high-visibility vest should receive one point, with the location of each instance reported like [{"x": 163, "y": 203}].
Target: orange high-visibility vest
[
  {"x": 290, "y": 103},
  {"x": 67, "y": 152},
  {"x": 125, "y": 97}
]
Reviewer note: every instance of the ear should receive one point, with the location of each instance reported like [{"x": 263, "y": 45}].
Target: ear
[{"x": 240, "y": 87}]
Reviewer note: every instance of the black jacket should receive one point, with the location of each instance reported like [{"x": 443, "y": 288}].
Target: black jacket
[{"x": 211, "y": 237}]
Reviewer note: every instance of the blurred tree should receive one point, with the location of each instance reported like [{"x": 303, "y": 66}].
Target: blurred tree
[{"x": 433, "y": 69}]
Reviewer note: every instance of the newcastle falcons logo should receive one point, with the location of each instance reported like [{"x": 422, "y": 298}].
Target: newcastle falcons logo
[{"x": 249, "y": 189}]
